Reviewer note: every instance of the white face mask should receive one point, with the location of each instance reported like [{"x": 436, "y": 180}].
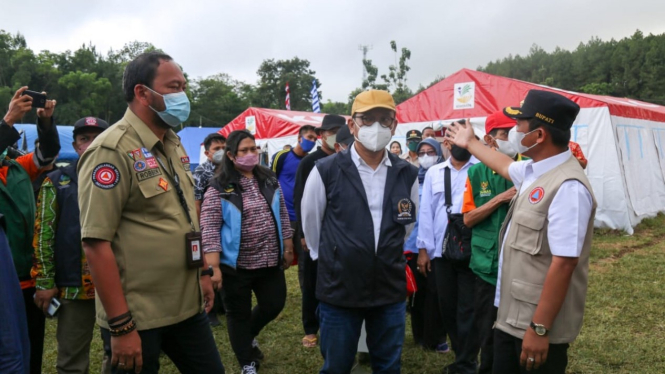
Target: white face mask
[
  {"x": 515, "y": 139},
  {"x": 331, "y": 140},
  {"x": 427, "y": 161},
  {"x": 217, "y": 157},
  {"x": 374, "y": 137},
  {"x": 506, "y": 148}
]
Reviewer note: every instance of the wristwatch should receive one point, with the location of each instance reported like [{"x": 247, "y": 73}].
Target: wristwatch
[
  {"x": 539, "y": 329},
  {"x": 208, "y": 271}
]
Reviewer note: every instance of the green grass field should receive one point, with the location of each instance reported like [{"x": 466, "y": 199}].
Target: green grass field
[{"x": 624, "y": 323}]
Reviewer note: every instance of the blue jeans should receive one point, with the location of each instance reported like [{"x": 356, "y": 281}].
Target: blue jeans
[{"x": 340, "y": 330}]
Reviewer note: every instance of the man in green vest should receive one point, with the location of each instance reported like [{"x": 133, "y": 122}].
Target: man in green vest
[
  {"x": 486, "y": 199},
  {"x": 17, "y": 203}
]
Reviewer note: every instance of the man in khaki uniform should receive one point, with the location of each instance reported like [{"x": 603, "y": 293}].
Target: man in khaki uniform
[
  {"x": 136, "y": 197},
  {"x": 546, "y": 237}
]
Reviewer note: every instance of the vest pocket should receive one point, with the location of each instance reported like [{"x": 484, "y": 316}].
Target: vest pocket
[
  {"x": 522, "y": 306},
  {"x": 529, "y": 231}
]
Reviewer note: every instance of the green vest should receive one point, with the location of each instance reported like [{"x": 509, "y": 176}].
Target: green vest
[
  {"x": 17, "y": 204},
  {"x": 486, "y": 184}
]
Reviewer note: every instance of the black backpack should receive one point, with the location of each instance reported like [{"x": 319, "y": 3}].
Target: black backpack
[{"x": 457, "y": 239}]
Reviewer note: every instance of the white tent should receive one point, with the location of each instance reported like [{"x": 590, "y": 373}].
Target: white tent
[{"x": 622, "y": 139}]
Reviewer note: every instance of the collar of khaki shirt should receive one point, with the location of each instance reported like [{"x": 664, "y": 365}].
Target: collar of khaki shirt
[{"x": 148, "y": 138}]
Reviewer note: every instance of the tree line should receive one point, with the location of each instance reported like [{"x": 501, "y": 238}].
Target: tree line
[
  {"x": 632, "y": 67},
  {"x": 89, "y": 83}
]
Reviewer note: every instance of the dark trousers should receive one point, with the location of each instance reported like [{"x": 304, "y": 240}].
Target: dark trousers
[
  {"x": 189, "y": 344},
  {"x": 485, "y": 315},
  {"x": 456, "y": 284},
  {"x": 36, "y": 325},
  {"x": 340, "y": 331},
  {"x": 243, "y": 322},
  {"x": 507, "y": 351},
  {"x": 307, "y": 272},
  {"x": 426, "y": 323}
]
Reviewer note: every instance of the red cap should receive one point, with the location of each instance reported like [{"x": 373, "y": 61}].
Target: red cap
[{"x": 498, "y": 120}]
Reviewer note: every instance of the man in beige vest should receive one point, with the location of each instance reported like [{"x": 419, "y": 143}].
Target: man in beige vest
[{"x": 545, "y": 240}]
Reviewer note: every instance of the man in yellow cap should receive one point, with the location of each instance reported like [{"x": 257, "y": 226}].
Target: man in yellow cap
[{"x": 358, "y": 206}]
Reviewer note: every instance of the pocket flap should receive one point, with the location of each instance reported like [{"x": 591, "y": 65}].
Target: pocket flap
[
  {"x": 525, "y": 291},
  {"x": 150, "y": 188},
  {"x": 530, "y": 219}
]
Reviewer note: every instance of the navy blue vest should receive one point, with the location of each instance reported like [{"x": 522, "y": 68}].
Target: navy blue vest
[
  {"x": 350, "y": 272},
  {"x": 67, "y": 251}
]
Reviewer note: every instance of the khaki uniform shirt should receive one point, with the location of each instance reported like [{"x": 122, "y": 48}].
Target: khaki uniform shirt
[
  {"x": 412, "y": 160},
  {"x": 128, "y": 199}
]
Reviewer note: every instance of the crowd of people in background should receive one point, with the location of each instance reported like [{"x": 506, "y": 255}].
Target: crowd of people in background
[{"x": 483, "y": 241}]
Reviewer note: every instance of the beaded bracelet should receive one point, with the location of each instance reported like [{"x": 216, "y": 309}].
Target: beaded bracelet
[
  {"x": 125, "y": 330},
  {"x": 120, "y": 324}
]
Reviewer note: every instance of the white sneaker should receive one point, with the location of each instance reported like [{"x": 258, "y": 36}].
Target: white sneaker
[{"x": 249, "y": 369}]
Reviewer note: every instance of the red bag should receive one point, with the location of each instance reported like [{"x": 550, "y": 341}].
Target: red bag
[{"x": 411, "y": 286}]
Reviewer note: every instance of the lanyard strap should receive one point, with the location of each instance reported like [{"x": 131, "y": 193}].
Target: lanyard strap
[{"x": 171, "y": 174}]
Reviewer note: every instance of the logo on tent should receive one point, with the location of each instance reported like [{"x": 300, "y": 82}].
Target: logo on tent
[
  {"x": 464, "y": 95},
  {"x": 536, "y": 195}
]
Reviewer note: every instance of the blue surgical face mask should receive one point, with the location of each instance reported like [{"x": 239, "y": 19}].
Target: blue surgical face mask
[
  {"x": 307, "y": 145},
  {"x": 177, "y": 107}
]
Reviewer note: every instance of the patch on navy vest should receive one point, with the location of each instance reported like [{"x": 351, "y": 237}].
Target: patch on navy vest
[
  {"x": 150, "y": 173},
  {"x": 536, "y": 195},
  {"x": 64, "y": 180},
  {"x": 105, "y": 176},
  {"x": 404, "y": 210}
]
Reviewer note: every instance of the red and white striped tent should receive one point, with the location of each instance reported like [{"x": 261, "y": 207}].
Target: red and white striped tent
[
  {"x": 273, "y": 128},
  {"x": 623, "y": 139}
]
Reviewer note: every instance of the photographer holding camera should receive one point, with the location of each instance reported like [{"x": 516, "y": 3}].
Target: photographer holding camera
[{"x": 17, "y": 202}]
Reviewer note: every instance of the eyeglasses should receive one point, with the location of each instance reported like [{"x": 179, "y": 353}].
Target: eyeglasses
[
  {"x": 386, "y": 122},
  {"x": 428, "y": 153}
]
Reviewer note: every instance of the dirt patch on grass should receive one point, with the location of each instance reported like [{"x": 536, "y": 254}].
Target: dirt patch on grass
[{"x": 653, "y": 238}]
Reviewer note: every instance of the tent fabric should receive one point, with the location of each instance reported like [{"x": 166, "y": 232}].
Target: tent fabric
[
  {"x": 27, "y": 141},
  {"x": 623, "y": 139},
  {"x": 192, "y": 139},
  {"x": 273, "y": 128}
]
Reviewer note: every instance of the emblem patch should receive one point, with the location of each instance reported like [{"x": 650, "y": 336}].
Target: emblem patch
[
  {"x": 91, "y": 121},
  {"x": 152, "y": 164},
  {"x": 484, "y": 189},
  {"x": 163, "y": 184},
  {"x": 184, "y": 160},
  {"x": 131, "y": 155},
  {"x": 404, "y": 210},
  {"x": 105, "y": 176},
  {"x": 146, "y": 154},
  {"x": 150, "y": 173},
  {"x": 136, "y": 154},
  {"x": 64, "y": 180},
  {"x": 140, "y": 165},
  {"x": 536, "y": 195}
]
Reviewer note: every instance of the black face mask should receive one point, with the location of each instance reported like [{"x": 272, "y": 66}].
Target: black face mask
[{"x": 460, "y": 154}]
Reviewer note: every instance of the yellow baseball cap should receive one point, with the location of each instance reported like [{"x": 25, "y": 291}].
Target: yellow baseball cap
[{"x": 368, "y": 100}]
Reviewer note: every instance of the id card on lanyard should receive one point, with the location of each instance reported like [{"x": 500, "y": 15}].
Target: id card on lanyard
[{"x": 192, "y": 239}]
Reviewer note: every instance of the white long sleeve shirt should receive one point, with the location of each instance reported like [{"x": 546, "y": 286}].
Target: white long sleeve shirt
[
  {"x": 313, "y": 205},
  {"x": 433, "y": 219}
]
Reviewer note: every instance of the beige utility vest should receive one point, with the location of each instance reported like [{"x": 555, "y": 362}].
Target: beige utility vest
[{"x": 527, "y": 258}]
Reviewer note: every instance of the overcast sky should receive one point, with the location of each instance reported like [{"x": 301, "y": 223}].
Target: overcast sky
[{"x": 208, "y": 37}]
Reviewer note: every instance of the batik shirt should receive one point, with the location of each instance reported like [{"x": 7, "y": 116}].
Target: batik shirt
[
  {"x": 202, "y": 176},
  {"x": 43, "y": 269}
]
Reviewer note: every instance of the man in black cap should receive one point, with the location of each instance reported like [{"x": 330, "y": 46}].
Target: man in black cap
[
  {"x": 60, "y": 268},
  {"x": 307, "y": 268},
  {"x": 545, "y": 240},
  {"x": 413, "y": 138}
]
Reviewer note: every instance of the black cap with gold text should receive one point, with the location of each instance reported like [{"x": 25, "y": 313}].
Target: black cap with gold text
[{"x": 549, "y": 107}]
